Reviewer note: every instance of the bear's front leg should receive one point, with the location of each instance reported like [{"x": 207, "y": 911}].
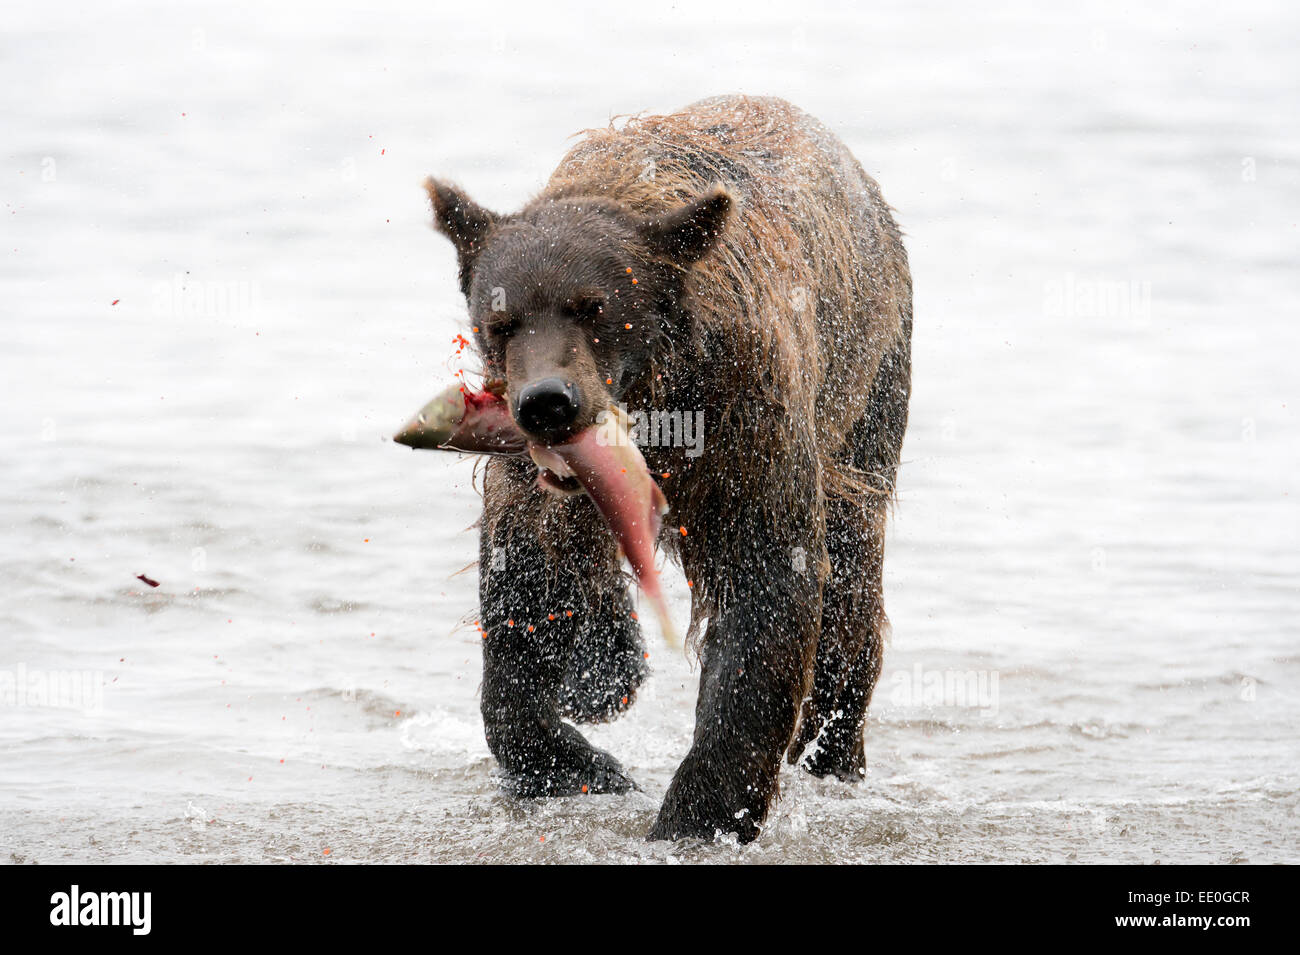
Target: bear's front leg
[
  {"x": 540, "y": 754},
  {"x": 754, "y": 672},
  {"x": 533, "y": 599}
]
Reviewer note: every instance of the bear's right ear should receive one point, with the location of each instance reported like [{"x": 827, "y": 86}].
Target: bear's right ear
[
  {"x": 462, "y": 220},
  {"x": 686, "y": 233}
]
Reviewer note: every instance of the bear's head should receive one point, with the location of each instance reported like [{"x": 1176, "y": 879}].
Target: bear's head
[{"x": 571, "y": 297}]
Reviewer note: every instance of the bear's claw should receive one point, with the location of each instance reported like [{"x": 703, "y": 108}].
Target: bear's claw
[{"x": 602, "y": 775}]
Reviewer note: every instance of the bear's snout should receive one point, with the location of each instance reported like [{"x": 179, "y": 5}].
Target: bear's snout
[{"x": 548, "y": 407}]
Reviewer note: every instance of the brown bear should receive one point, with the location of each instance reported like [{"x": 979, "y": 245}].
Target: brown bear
[{"x": 732, "y": 259}]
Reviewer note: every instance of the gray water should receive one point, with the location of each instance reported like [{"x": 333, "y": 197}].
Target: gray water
[{"x": 1095, "y": 545}]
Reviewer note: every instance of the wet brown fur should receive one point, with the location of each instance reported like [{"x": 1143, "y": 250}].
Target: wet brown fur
[
  {"x": 797, "y": 238},
  {"x": 796, "y": 346}
]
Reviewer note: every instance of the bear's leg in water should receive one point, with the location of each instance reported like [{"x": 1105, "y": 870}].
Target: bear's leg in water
[
  {"x": 851, "y": 647},
  {"x": 755, "y": 667},
  {"x": 526, "y": 593}
]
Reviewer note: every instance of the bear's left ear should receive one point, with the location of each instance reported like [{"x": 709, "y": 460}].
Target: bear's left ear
[
  {"x": 462, "y": 220},
  {"x": 686, "y": 233}
]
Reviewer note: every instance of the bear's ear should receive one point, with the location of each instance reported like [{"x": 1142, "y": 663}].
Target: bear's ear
[
  {"x": 462, "y": 220},
  {"x": 686, "y": 233}
]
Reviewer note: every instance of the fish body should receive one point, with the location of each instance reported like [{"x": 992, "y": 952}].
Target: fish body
[{"x": 610, "y": 468}]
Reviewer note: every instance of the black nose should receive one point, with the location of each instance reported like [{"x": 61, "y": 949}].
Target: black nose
[{"x": 548, "y": 406}]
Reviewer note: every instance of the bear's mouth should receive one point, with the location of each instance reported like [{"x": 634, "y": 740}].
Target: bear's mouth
[
  {"x": 554, "y": 474},
  {"x": 562, "y": 487}
]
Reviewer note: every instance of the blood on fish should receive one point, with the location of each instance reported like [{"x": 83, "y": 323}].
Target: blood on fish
[{"x": 148, "y": 580}]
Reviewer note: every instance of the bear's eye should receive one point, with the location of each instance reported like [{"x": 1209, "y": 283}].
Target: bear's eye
[
  {"x": 587, "y": 305},
  {"x": 501, "y": 325}
]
